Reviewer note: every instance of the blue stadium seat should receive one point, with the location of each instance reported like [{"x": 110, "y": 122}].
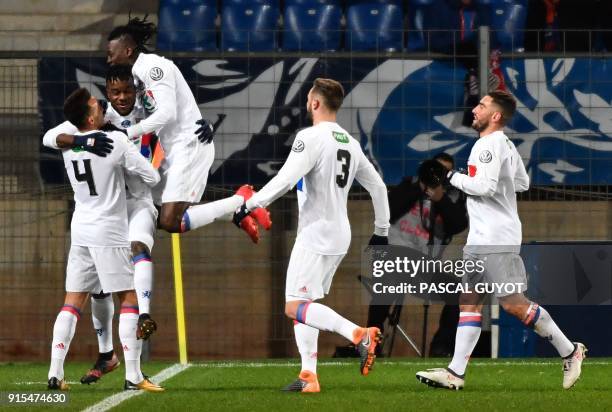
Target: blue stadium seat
[
  {"x": 508, "y": 23},
  {"x": 187, "y": 25},
  {"x": 312, "y": 25},
  {"x": 249, "y": 25},
  {"x": 374, "y": 25},
  {"x": 418, "y": 16}
]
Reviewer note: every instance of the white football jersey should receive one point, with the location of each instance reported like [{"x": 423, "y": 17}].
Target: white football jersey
[
  {"x": 171, "y": 109},
  {"x": 136, "y": 187},
  {"x": 495, "y": 173},
  {"x": 329, "y": 159},
  {"x": 100, "y": 215}
]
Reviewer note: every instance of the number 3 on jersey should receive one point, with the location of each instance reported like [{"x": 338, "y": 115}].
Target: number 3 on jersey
[
  {"x": 87, "y": 176},
  {"x": 344, "y": 157}
]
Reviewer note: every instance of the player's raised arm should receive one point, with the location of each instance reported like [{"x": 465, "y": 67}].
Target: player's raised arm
[
  {"x": 301, "y": 159},
  {"x": 159, "y": 99},
  {"x": 63, "y": 136},
  {"x": 483, "y": 174},
  {"x": 135, "y": 163},
  {"x": 368, "y": 177}
]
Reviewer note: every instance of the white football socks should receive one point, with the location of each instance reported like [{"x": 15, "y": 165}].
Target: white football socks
[
  {"x": 132, "y": 347},
  {"x": 201, "y": 215},
  {"x": 307, "y": 338},
  {"x": 468, "y": 332},
  {"x": 102, "y": 311},
  {"x": 324, "y": 318},
  {"x": 546, "y": 327},
  {"x": 143, "y": 281},
  {"x": 63, "y": 332}
]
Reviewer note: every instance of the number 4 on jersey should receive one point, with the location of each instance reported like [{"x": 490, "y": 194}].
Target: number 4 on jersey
[{"x": 87, "y": 176}]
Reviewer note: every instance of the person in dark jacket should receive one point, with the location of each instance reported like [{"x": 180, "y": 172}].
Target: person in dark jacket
[{"x": 425, "y": 216}]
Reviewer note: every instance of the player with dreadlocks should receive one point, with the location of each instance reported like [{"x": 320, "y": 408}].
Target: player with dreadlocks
[{"x": 174, "y": 115}]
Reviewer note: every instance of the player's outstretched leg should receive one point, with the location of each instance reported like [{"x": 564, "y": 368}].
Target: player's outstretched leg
[
  {"x": 63, "y": 332},
  {"x": 538, "y": 318},
  {"x": 102, "y": 311},
  {"x": 306, "y": 338},
  {"x": 324, "y": 318},
  {"x": 453, "y": 377}
]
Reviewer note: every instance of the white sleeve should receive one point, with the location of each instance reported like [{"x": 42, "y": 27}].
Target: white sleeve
[
  {"x": 50, "y": 137},
  {"x": 135, "y": 164},
  {"x": 301, "y": 159},
  {"x": 368, "y": 177},
  {"x": 521, "y": 178},
  {"x": 486, "y": 175},
  {"x": 161, "y": 95}
]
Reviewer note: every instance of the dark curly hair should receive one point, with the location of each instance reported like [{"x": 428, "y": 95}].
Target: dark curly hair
[{"x": 138, "y": 30}]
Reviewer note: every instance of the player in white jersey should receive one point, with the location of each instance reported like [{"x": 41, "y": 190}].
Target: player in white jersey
[
  {"x": 495, "y": 173},
  {"x": 99, "y": 257},
  {"x": 328, "y": 159},
  {"x": 142, "y": 217},
  {"x": 186, "y": 138}
]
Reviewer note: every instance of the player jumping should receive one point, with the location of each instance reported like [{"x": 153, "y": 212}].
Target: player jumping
[
  {"x": 495, "y": 173},
  {"x": 99, "y": 258},
  {"x": 174, "y": 115},
  {"x": 329, "y": 159}
]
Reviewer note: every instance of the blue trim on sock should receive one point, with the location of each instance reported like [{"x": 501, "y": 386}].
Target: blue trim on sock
[
  {"x": 141, "y": 256},
  {"x": 477, "y": 324},
  {"x": 72, "y": 306},
  {"x": 536, "y": 317},
  {"x": 186, "y": 222},
  {"x": 299, "y": 316}
]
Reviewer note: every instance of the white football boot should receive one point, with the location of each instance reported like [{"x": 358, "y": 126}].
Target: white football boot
[
  {"x": 441, "y": 378},
  {"x": 572, "y": 366}
]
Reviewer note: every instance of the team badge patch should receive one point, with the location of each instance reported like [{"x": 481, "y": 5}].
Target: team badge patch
[
  {"x": 298, "y": 146},
  {"x": 126, "y": 123},
  {"x": 156, "y": 73},
  {"x": 471, "y": 170},
  {"x": 485, "y": 156}
]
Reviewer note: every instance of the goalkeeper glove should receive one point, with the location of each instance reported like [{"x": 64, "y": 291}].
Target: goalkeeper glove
[{"x": 96, "y": 143}]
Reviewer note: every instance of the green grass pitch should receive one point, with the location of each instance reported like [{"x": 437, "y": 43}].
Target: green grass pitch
[{"x": 530, "y": 384}]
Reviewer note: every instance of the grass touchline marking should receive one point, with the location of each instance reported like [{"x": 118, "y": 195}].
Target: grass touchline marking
[{"x": 116, "y": 399}]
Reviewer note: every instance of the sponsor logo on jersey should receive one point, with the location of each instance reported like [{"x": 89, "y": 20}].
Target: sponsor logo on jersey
[
  {"x": 485, "y": 156},
  {"x": 298, "y": 146},
  {"x": 156, "y": 73},
  {"x": 126, "y": 123},
  {"x": 148, "y": 101},
  {"x": 471, "y": 170},
  {"x": 340, "y": 137}
]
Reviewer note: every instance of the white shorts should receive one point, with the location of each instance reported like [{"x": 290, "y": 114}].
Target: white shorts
[
  {"x": 97, "y": 269},
  {"x": 184, "y": 175},
  {"x": 310, "y": 275},
  {"x": 142, "y": 221}
]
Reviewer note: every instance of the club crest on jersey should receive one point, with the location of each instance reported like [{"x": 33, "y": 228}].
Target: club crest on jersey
[
  {"x": 340, "y": 137},
  {"x": 298, "y": 146},
  {"x": 126, "y": 123},
  {"x": 156, "y": 73},
  {"x": 485, "y": 156},
  {"x": 148, "y": 101}
]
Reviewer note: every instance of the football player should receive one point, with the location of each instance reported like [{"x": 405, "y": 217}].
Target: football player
[
  {"x": 495, "y": 173},
  {"x": 327, "y": 159},
  {"x": 99, "y": 258}
]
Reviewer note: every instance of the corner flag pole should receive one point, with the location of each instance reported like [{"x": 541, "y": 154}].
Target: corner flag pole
[{"x": 178, "y": 298}]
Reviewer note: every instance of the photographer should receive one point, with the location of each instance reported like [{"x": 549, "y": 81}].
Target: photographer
[{"x": 424, "y": 216}]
